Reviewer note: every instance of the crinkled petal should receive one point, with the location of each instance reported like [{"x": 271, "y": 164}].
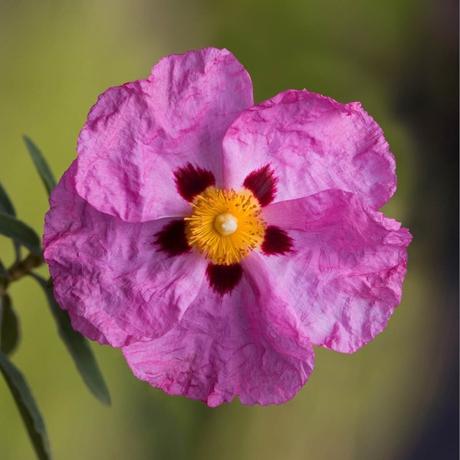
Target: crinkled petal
[
  {"x": 139, "y": 133},
  {"x": 94, "y": 330},
  {"x": 242, "y": 344},
  {"x": 109, "y": 275},
  {"x": 344, "y": 277},
  {"x": 313, "y": 143}
]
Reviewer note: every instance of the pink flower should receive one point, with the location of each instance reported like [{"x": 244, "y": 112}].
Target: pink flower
[{"x": 217, "y": 241}]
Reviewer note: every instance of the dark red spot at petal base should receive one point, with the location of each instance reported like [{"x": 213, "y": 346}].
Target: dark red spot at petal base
[
  {"x": 171, "y": 238},
  {"x": 262, "y": 182},
  {"x": 224, "y": 278},
  {"x": 192, "y": 180},
  {"x": 276, "y": 241}
]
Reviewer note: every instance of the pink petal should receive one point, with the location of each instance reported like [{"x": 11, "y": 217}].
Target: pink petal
[
  {"x": 313, "y": 143},
  {"x": 93, "y": 330},
  {"x": 137, "y": 134},
  {"x": 109, "y": 275},
  {"x": 345, "y": 275},
  {"x": 241, "y": 344}
]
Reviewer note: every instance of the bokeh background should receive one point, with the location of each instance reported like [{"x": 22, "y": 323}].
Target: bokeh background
[{"x": 396, "y": 398}]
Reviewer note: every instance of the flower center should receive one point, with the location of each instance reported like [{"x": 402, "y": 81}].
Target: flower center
[{"x": 225, "y": 225}]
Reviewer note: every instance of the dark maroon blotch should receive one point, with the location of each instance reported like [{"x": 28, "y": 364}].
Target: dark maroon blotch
[
  {"x": 276, "y": 241},
  {"x": 171, "y": 238},
  {"x": 224, "y": 278},
  {"x": 262, "y": 182},
  {"x": 192, "y": 180}
]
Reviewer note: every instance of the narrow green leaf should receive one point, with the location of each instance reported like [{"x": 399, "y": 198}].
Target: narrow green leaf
[
  {"x": 27, "y": 407},
  {"x": 3, "y": 271},
  {"x": 40, "y": 164},
  {"x": 6, "y": 206},
  {"x": 77, "y": 346},
  {"x": 9, "y": 326},
  {"x": 20, "y": 232}
]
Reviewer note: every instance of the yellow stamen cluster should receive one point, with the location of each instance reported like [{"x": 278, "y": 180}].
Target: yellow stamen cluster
[{"x": 225, "y": 225}]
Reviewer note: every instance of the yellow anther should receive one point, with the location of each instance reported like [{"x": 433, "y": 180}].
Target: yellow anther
[{"x": 225, "y": 225}]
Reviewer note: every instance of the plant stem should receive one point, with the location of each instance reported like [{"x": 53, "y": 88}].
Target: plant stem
[{"x": 18, "y": 270}]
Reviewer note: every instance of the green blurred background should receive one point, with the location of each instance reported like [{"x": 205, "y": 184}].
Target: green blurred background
[{"x": 396, "y": 398}]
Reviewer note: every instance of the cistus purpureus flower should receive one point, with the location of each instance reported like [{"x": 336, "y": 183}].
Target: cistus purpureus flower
[{"x": 216, "y": 241}]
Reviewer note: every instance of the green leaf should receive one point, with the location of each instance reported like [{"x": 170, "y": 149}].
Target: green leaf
[
  {"x": 6, "y": 206},
  {"x": 77, "y": 346},
  {"x": 27, "y": 407},
  {"x": 41, "y": 165},
  {"x": 9, "y": 326},
  {"x": 3, "y": 271},
  {"x": 20, "y": 232}
]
